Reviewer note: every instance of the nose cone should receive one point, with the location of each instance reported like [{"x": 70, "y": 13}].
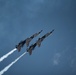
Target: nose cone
[
  {"x": 41, "y": 30},
  {"x": 52, "y": 30}
]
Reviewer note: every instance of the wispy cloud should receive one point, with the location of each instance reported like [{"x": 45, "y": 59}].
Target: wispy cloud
[
  {"x": 73, "y": 63},
  {"x": 56, "y": 59}
]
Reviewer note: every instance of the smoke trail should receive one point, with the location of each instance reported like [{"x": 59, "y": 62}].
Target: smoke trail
[
  {"x": 6, "y": 55},
  {"x": 7, "y": 67}
]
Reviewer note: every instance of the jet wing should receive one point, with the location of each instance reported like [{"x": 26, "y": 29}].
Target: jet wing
[{"x": 30, "y": 52}]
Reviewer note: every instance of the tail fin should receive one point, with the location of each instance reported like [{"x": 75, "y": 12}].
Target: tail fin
[
  {"x": 27, "y": 44},
  {"x": 28, "y": 41},
  {"x": 18, "y": 48},
  {"x": 30, "y": 51},
  {"x": 39, "y": 44}
]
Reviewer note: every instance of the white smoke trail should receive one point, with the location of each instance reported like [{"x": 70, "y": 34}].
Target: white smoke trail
[
  {"x": 7, "y": 67},
  {"x": 6, "y": 55}
]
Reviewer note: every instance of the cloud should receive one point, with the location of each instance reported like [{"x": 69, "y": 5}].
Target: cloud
[
  {"x": 56, "y": 59},
  {"x": 73, "y": 63},
  {"x": 75, "y": 48},
  {"x": 33, "y": 7}
]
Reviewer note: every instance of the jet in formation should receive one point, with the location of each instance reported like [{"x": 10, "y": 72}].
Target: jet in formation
[
  {"x": 32, "y": 47},
  {"x": 38, "y": 42},
  {"x": 27, "y": 41},
  {"x": 43, "y": 37},
  {"x": 30, "y": 38}
]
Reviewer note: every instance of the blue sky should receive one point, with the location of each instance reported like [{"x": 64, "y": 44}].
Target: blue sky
[{"x": 20, "y": 19}]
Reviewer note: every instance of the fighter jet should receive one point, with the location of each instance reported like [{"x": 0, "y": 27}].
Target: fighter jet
[
  {"x": 32, "y": 47},
  {"x": 38, "y": 42},
  {"x": 30, "y": 38},
  {"x": 42, "y": 38},
  {"x": 27, "y": 41},
  {"x": 21, "y": 44}
]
